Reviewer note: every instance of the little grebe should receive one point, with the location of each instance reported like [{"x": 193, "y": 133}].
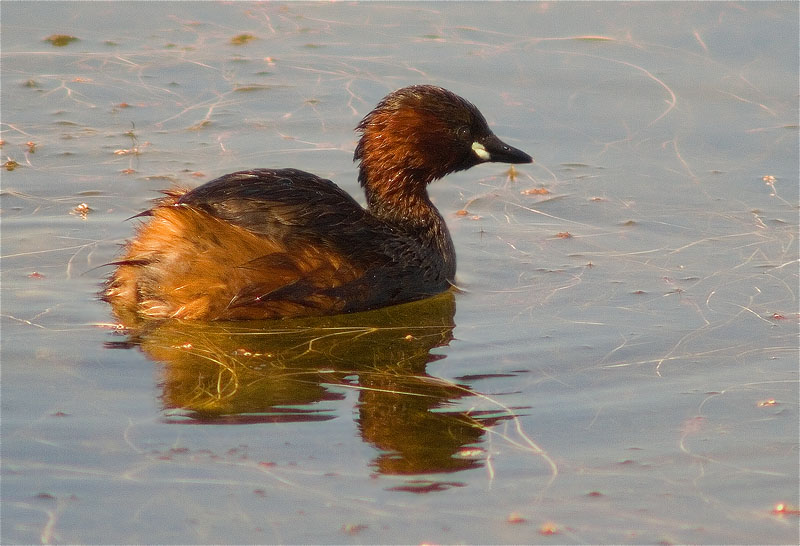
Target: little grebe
[{"x": 270, "y": 243}]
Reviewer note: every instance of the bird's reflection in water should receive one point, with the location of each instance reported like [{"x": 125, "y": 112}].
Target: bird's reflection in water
[{"x": 279, "y": 371}]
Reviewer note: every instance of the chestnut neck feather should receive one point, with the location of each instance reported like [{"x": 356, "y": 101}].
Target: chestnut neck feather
[{"x": 398, "y": 162}]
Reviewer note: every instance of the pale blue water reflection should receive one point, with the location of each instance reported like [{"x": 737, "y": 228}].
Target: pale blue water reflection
[{"x": 621, "y": 364}]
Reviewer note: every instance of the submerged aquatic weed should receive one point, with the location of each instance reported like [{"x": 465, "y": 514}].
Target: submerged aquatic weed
[
  {"x": 61, "y": 40},
  {"x": 593, "y": 38},
  {"x": 241, "y": 39}
]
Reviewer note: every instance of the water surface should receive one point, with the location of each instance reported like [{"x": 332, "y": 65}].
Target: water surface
[{"x": 619, "y": 366}]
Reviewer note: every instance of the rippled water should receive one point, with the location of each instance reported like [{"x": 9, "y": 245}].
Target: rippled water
[{"x": 619, "y": 366}]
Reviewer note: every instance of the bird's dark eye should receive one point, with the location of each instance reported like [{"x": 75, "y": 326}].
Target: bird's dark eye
[{"x": 463, "y": 132}]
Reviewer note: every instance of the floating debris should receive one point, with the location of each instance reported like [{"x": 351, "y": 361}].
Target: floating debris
[
  {"x": 548, "y": 529},
  {"x": 515, "y": 517},
  {"x": 535, "y": 191},
  {"x": 783, "y": 508},
  {"x": 81, "y": 210}
]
